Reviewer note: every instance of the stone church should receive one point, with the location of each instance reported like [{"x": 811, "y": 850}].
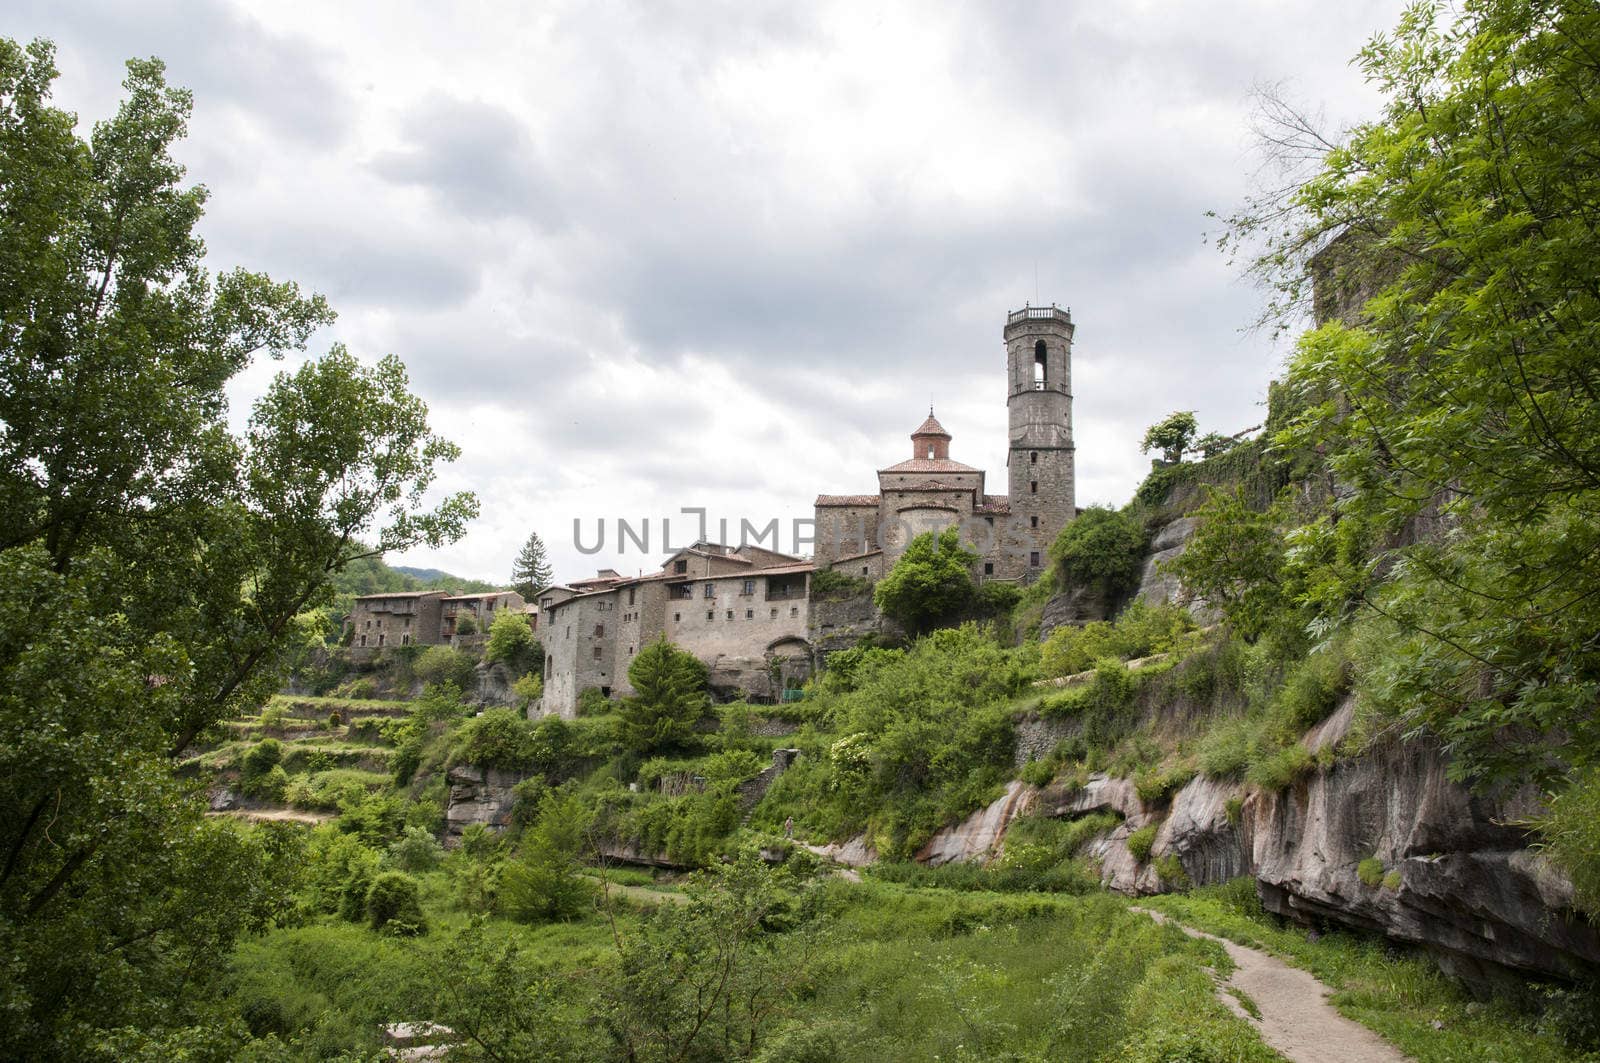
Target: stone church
[{"x": 862, "y": 535}]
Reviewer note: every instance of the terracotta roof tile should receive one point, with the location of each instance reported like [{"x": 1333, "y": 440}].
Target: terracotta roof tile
[
  {"x": 930, "y": 465},
  {"x": 847, "y": 500},
  {"x": 931, "y": 427}
]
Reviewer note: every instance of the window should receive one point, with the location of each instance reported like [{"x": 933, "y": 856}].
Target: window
[
  {"x": 680, "y": 567},
  {"x": 1033, "y": 559},
  {"x": 631, "y": 591},
  {"x": 1033, "y": 457},
  {"x": 677, "y": 618},
  {"x": 749, "y": 614},
  {"x": 989, "y": 521},
  {"x": 988, "y": 568},
  {"x": 930, "y": 451},
  {"x": 1033, "y": 522},
  {"x": 569, "y": 631},
  {"x": 683, "y": 590},
  {"x": 364, "y": 638},
  {"x": 405, "y": 640},
  {"x": 711, "y": 614},
  {"x": 605, "y": 692},
  {"x": 597, "y": 653},
  {"x": 1033, "y": 487},
  {"x": 794, "y": 610},
  {"x": 1040, "y": 366},
  {"x": 408, "y": 622},
  {"x": 711, "y": 590},
  {"x": 380, "y": 640},
  {"x": 749, "y": 587},
  {"x": 545, "y": 601},
  {"x": 774, "y": 616},
  {"x": 863, "y": 570},
  {"x": 599, "y": 631},
  {"x": 369, "y": 625},
  {"x": 730, "y": 614},
  {"x": 630, "y": 651}
]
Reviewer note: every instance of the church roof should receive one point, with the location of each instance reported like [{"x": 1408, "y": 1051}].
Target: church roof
[
  {"x": 847, "y": 500},
  {"x": 994, "y": 504},
  {"x": 930, "y": 465},
  {"x": 930, "y": 427}
]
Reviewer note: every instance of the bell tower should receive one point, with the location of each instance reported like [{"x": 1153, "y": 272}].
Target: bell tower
[{"x": 1040, "y": 460}]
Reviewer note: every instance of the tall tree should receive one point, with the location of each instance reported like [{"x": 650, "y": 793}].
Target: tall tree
[
  {"x": 930, "y": 583},
  {"x": 531, "y": 571},
  {"x": 668, "y": 700},
  {"x": 1170, "y": 435},
  {"x": 156, "y": 565}
]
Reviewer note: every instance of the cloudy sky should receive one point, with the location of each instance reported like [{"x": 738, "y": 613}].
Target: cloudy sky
[{"x": 648, "y": 256}]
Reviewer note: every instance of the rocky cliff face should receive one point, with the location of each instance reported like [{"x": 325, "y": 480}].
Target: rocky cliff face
[
  {"x": 1453, "y": 872},
  {"x": 478, "y": 795}
]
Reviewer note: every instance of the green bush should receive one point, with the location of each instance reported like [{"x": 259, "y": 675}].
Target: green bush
[
  {"x": 262, "y": 757},
  {"x": 1227, "y": 749},
  {"x": 441, "y": 665},
  {"x": 512, "y": 642},
  {"x": 930, "y": 584},
  {"x": 593, "y": 703},
  {"x": 1103, "y": 548},
  {"x": 500, "y": 738},
  {"x": 831, "y": 585},
  {"x": 1157, "y": 783},
  {"x": 1169, "y": 869},
  {"x": 394, "y": 905},
  {"x": 1141, "y": 841},
  {"x": 1281, "y": 768},
  {"x": 544, "y": 883},
  {"x": 1370, "y": 871},
  {"x": 1570, "y": 834},
  {"x": 416, "y": 851}
]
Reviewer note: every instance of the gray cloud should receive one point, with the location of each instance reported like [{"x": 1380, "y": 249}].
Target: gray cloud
[{"x": 638, "y": 254}]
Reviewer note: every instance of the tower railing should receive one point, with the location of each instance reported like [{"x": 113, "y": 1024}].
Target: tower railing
[{"x": 1039, "y": 313}]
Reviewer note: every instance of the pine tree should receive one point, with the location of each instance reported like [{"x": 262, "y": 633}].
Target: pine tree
[
  {"x": 670, "y": 699},
  {"x": 531, "y": 570}
]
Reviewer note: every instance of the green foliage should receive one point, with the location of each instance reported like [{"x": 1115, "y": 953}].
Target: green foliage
[
  {"x": 1281, "y": 768},
  {"x": 527, "y": 689},
  {"x": 1140, "y": 631},
  {"x": 1171, "y": 435},
  {"x": 1141, "y": 841},
  {"x": 930, "y": 583},
  {"x": 1234, "y": 561},
  {"x": 416, "y": 851},
  {"x": 1169, "y": 869},
  {"x": 829, "y": 584},
  {"x": 924, "y": 735},
  {"x": 332, "y": 856},
  {"x": 262, "y": 758},
  {"x": 544, "y": 883},
  {"x": 394, "y": 905},
  {"x": 1370, "y": 871},
  {"x": 1181, "y": 1019},
  {"x": 531, "y": 571},
  {"x": 511, "y": 642},
  {"x": 1102, "y": 548},
  {"x": 591, "y": 702},
  {"x": 1457, "y": 392},
  {"x": 440, "y": 665},
  {"x": 499, "y": 738},
  {"x": 466, "y": 624},
  {"x": 668, "y": 701},
  {"x": 1570, "y": 832}
]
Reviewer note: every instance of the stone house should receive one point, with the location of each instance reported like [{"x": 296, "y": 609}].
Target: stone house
[
  {"x": 863, "y": 534},
  {"x": 480, "y": 607},
  {"x": 405, "y": 618},
  {"x": 743, "y": 611}
]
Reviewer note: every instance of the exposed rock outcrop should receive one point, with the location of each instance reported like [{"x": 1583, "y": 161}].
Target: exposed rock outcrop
[
  {"x": 493, "y": 685},
  {"x": 978, "y": 837},
  {"x": 478, "y": 795}
]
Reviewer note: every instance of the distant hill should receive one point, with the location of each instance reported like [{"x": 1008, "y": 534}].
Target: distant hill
[{"x": 372, "y": 575}]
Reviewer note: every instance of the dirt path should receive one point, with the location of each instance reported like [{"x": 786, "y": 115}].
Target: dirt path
[{"x": 1296, "y": 1018}]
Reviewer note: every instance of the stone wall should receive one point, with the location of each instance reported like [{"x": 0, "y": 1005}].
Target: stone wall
[{"x": 478, "y": 795}]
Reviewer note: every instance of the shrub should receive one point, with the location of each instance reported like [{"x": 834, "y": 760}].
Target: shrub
[
  {"x": 262, "y": 757},
  {"x": 831, "y": 585},
  {"x": 466, "y": 624},
  {"x": 593, "y": 703},
  {"x": 1570, "y": 833},
  {"x": 1141, "y": 841},
  {"x": 1169, "y": 869},
  {"x": 511, "y": 641},
  {"x": 1280, "y": 769},
  {"x": 1226, "y": 750},
  {"x": 1392, "y": 880},
  {"x": 1103, "y": 548},
  {"x": 268, "y": 786},
  {"x": 1370, "y": 872},
  {"x": 1038, "y": 772},
  {"x": 544, "y": 883},
  {"x": 500, "y": 738},
  {"x": 1157, "y": 783},
  {"x": 416, "y": 851},
  {"x": 441, "y": 665},
  {"x": 527, "y": 689},
  {"x": 394, "y": 905},
  {"x": 1234, "y": 810},
  {"x": 931, "y": 583}
]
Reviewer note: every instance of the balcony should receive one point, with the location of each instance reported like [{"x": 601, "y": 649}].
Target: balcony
[{"x": 1039, "y": 313}]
